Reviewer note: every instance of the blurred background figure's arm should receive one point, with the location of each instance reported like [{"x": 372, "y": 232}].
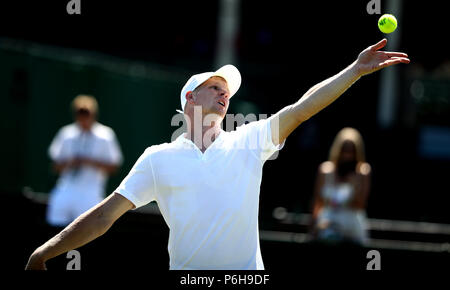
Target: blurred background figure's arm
[
  {"x": 363, "y": 175},
  {"x": 108, "y": 168},
  {"x": 318, "y": 202},
  {"x": 59, "y": 153},
  {"x": 113, "y": 158},
  {"x": 60, "y": 166}
]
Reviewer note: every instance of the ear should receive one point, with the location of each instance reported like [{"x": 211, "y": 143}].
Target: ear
[{"x": 190, "y": 97}]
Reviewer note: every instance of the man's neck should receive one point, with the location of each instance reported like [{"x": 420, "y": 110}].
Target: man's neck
[
  {"x": 203, "y": 135},
  {"x": 85, "y": 129}
]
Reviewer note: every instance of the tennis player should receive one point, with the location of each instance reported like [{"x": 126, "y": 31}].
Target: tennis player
[{"x": 207, "y": 181}]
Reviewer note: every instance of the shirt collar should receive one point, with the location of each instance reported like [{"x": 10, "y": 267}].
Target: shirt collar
[{"x": 183, "y": 140}]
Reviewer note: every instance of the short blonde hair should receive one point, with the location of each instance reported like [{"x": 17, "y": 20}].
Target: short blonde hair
[
  {"x": 87, "y": 102},
  {"x": 347, "y": 134}
]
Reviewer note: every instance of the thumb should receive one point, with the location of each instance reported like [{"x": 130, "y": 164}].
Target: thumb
[{"x": 382, "y": 43}]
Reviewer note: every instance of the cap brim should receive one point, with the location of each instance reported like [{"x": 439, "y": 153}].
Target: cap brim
[
  {"x": 232, "y": 76},
  {"x": 228, "y": 72}
]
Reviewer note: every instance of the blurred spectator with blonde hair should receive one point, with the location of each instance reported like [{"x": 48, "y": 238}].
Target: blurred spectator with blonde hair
[
  {"x": 84, "y": 154},
  {"x": 341, "y": 191}
]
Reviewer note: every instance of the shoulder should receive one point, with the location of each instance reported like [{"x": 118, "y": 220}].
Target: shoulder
[
  {"x": 364, "y": 169},
  {"x": 326, "y": 167},
  {"x": 103, "y": 131},
  {"x": 160, "y": 150},
  {"x": 252, "y": 130},
  {"x": 249, "y": 125},
  {"x": 148, "y": 153},
  {"x": 157, "y": 148},
  {"x": 68, "y": 131}
]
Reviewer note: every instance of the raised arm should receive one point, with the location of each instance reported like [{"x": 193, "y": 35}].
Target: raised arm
[
  {"x": 87, "y": 227},
  {"x": 326, "y": 92}
]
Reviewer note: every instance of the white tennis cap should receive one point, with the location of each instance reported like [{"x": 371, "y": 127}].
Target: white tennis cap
[{"x": 229, "y": 72}]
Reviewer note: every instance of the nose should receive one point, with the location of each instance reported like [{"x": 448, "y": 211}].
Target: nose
[{"x": 225, "y": 94}]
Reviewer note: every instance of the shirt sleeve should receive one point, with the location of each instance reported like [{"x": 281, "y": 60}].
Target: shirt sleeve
[
  {"x": 59, "y": 148},
  {"x": 139, "y": 185},
  {"x": 114, "y": 152},
  {"x": 258, "y": 138}
]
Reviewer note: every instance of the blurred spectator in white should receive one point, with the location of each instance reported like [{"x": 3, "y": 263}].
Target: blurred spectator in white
[
  {"x": 341, "y": 191},
  {"x": 84, "y": 154}
]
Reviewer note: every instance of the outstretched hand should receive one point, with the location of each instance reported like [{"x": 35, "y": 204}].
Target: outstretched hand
[{"x": 372, "y": 59}]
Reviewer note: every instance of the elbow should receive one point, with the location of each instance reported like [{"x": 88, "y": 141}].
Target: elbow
[
  {"x": 104, "y": 225},
  {"x": 111, "y": 169},
  {"x": 302, "y": 118},
  {"x": 114, "y": 169},
  {"x": 57, "y": 167},
  {"x": 102, "y": 222}
]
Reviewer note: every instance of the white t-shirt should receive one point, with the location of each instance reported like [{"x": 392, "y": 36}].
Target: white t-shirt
[
  {"x": 209, "y": 200},
  {"x": 99, "y": 144}
]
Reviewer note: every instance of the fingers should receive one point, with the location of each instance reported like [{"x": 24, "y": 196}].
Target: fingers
[
  {"x": 400, "y": 59},
  {"x": 396, "y": 54},
  {"x": 394, "y": 60},
  {"x": 379, "y": 45}
]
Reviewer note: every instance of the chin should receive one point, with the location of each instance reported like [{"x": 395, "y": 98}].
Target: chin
[{"x": 220, "y": 111}]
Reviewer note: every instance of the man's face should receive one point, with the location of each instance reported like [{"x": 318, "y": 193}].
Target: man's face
[
  {"x": 348, "y": 152},
  {"x": 84, "y": 118},
  {"x": 214, "y": 96}
]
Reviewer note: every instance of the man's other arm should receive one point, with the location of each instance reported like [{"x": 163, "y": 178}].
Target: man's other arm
[{"x": 87, "y": 227}]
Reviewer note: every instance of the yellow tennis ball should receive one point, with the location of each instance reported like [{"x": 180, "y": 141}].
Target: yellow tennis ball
[{"x": 387, "y": 23}]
